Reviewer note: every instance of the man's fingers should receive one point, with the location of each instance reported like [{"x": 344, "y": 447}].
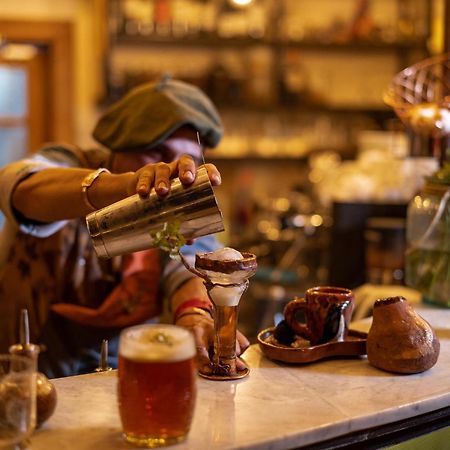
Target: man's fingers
[
  {"x": 240, "y": 365},
  {"x": 163, "y": 173},
  {"x": 145, "y": 180},
  {"x": 203, "y": 361},
  {"x": 214, "y": 174},
  {"x": 242, "y": 341},
  {"x": 159, "y": 175},
  {"x": 201, "y": 338},
  {"x": 202, "y": 347},
  {"x": 186, "y": 169},
  {"x": 242, "y": 344}
]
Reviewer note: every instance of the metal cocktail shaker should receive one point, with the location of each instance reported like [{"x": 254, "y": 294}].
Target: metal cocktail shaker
[{"x": 130, "y": 225}]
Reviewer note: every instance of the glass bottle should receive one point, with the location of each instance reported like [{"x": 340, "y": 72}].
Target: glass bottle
[
  {"x": 428, "y": 240},
  {"x": 46, "y": 397}
]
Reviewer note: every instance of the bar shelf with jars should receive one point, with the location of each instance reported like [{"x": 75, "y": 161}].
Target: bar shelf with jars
[
  {"x": 279, "y": 49},
  {"x": 292, "y": 71}
]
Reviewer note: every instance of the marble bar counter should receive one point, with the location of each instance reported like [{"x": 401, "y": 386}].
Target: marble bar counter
[{"x": 278, "y": 406}]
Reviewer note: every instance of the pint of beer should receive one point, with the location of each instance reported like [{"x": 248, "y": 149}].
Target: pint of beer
[{"x": 157, "y": 384}]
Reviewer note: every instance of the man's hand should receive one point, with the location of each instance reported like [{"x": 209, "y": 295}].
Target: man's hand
[
  {"x": 202, "y": 327},
  {"x": 159, "y": 175}
]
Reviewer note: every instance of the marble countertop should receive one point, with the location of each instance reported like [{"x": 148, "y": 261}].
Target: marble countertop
[{"x": 278, "y": 406}]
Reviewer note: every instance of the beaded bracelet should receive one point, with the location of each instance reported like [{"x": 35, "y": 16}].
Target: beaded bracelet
[{"x": 193, "y": 305}]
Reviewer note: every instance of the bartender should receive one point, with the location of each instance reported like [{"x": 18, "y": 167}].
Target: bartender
[{"x": 47, "y": 260}]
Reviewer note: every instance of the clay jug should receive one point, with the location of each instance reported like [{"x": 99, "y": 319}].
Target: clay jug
[{"x": 399, "y": 340}]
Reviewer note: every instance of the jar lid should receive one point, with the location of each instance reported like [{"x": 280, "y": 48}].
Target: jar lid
[{"x": 442, "y": 176}]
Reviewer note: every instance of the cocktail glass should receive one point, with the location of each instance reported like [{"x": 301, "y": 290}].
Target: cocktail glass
[{"x": 225, "y": 282}]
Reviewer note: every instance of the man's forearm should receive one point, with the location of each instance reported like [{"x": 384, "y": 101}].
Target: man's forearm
[
  {"x": 56, "y": 194},
  {"x": 192, "y": 289}
]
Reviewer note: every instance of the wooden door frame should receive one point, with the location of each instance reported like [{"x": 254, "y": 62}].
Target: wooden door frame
[
  {"x": 57, "y": 37},
  {"x": 34, "y": 117}
]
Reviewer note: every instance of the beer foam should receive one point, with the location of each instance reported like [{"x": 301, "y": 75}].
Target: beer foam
[
  {"x": 224, "y": 254},
  {"x": 157, "y": 342}
]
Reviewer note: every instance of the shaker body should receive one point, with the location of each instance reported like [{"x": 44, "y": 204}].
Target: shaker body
[{"x": 131, "y": 224}]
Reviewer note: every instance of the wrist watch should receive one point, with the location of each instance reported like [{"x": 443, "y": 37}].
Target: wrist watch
[{"x": 87, "y": 183}]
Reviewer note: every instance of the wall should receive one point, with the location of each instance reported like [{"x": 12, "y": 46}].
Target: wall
[{"x": 85, "y": 16}]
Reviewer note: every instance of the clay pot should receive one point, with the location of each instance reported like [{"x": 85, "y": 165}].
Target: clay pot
[
  {"x": 399, "y": 340},
  {"x": 45, "y": 399}
]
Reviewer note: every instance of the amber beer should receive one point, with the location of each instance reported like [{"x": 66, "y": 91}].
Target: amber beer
[{"x": 157, "y": 384}]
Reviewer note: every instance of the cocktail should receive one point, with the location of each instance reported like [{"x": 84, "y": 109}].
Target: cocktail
[{"x": 226, "y": 273}]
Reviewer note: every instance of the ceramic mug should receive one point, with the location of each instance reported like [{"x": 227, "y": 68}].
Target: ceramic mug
[{"x": 323, "y": 315}]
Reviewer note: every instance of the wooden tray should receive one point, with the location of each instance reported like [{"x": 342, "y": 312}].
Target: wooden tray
[{"x": 354, "y": 345}]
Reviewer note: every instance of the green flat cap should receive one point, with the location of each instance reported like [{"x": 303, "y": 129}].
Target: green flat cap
[{"x": 150, "y": 113}]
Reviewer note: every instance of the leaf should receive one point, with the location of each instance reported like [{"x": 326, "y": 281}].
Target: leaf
[{"x": 169, "y": 238}]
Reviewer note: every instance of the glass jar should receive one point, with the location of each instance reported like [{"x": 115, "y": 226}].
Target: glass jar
[{"x": 428, "y": 240}]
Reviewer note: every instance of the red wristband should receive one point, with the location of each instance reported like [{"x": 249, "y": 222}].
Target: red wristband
[{"x": 193, "y": 303}]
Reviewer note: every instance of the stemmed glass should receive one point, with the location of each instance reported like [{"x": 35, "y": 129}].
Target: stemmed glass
[
  {"x": 225, "y": 281},
  {"x": 17, "y": 399}
]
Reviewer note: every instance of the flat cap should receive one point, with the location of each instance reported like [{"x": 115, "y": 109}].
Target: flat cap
[{"x": 150, "y": 113}]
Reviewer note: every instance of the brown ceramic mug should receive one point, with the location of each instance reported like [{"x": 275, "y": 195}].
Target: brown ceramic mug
[{"x": 323, "y": 315}]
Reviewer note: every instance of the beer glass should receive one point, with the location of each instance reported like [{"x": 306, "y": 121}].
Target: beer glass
[
  {"x": 157, "y": 384},
  {"x": 17, "y": 399}
]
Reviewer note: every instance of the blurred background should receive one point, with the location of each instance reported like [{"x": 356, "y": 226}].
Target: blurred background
[{"x": 317, "y": 169}]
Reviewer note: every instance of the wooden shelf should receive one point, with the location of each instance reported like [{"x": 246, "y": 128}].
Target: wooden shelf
[
  {"x": 189, "y": 41},
  {"x": 255, "y": 159},
  {"x": 275, "y": 66},
  {"x": 217, "y": 41},
  {"x": 363, "y": 45},
  {"x": 308, "y": 108},
  {"x": 210, "y": 157}
]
